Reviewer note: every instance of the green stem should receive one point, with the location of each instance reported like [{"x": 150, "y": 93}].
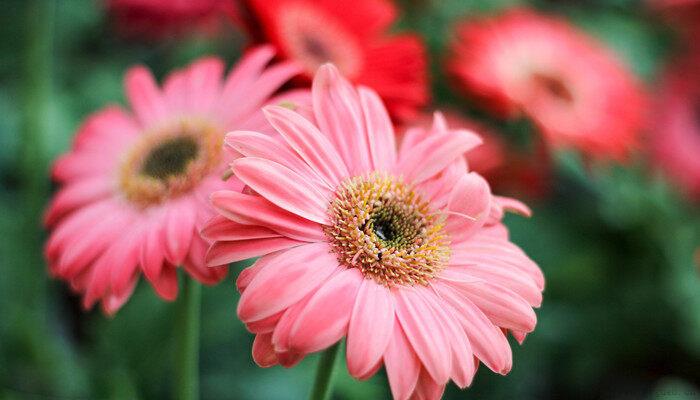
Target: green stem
[
  {"x": 324, "y": 374},
  {"x": 189, "y": 307}
]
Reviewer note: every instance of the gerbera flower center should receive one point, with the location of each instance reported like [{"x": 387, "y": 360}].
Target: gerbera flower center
[
  {"x": 380, "y": 225},
  {"x": 170, "y": 158},
  {"x": 554, "y": 86},
  {"x": 170, "y": 161}
]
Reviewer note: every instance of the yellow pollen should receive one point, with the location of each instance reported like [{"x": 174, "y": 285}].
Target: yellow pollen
[
  {"x": 170, "y": 160},
  {"x": 381, "y": 226}
]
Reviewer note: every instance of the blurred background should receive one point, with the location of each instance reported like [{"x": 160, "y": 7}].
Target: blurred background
[{"x": 621, "y": 311}]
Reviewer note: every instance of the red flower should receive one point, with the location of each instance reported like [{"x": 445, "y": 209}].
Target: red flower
[
  {"x": 684, "y": 13},
  {"x": 675, "y": 141},
  {"x": 576, "y": 91},
  {"x": 351, "y": 35},
  {"x": 158, "y": 19}
]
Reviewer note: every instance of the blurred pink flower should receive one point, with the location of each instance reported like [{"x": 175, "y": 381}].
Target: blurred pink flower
[
  {"x": 675, "y": 139},
  {"x": 577, "y": 91},
  {"x": 135, "y": 186},
  {"x": 402, "y": 250},
  {"x": 353, "y": 36},
  {"x": 159, "y": 19}
]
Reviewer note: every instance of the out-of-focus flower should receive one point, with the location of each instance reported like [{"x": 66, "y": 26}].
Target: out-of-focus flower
[
  {"x": 684, "y": 14},
  {"x": 135, "y": 184},
  {"x": 507, "y": 169},
  {"x": 577, "y": 91},
  {"x": 159, "y": 19},
  {"x": 675, "y": 139},
  {"x": 352, "y": 35},
  {"x": 401, "y": 250}
]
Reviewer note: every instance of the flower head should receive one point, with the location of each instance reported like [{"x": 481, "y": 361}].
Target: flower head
[
  {"x": 159, "y": 19},
  {"x": 402, "y": 250},
  {"x": 352, "y": 35},
  {"x": 134, "y": 187},
  {"x": 574, "y": 89},
  {"x": 675, "y": 139}
]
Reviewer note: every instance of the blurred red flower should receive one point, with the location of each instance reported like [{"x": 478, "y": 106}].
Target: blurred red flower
[
  {"x": 577, "y": 92},
  {"x": 675, "y": 139},
  {"x": 685, "y": 14},
  {"x": 353, "y": 36},
  {"x": 160, "y": 19}
]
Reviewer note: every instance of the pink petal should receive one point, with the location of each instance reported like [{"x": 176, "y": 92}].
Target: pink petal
[
  {"x": 263, "y": 352},
  {"x": 114, "y": 301},
  {"x": 76, "y": 224},
  {"x": 223, "y": 229},
  {"x": 427, "y": 388},
  {"x": 380, "y": 130},
  {"x": 280, "y": 336},
  {"x": 503, "y": 307},
  {"x": 264, "y": 86},
  {"x": 126, "y": 264},
  {"x": 144, "y": 96},
  {"x": 435, "y": 153},
  {"x": 254, "y": 144},
  {"x": 76, "y": 194},
  {"x": 296, "y": 272},
  {"x": 463, "y": 368},
  {"x": 93, "y": 242},
  {"x": 488, "y": 342},
  {"x": 468, "y": 206},
  {"x": 221, "y": 253},
  {"x": 506, "y": 276},
  {"x": 484, "y": 248},
  {"x": 265, "y": 325},
  {"x": 339, "y": 116},
  {"x": 195, "y": 265},
  {"x": 152, "y": 251},
  {"x": 254, "y": 210},
  {"x": 246, "y": 276},
  {"x": 283, "y": 187},
  {"x": 204, "y": 80},
  {"x": 370, "y": 329},
  {"x": 120, "y": 257},
  {"x": 179, "y": 228},
  {"x": 166, "y": 284},
  {"x": 425, "y": 333},
  {"x": 309, "y": 143},
  {"x": 325, "y": 318},
  {"x": 401, "y": 364}
]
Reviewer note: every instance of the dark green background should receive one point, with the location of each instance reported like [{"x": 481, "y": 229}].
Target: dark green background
[{"x": 621, "y": 313}]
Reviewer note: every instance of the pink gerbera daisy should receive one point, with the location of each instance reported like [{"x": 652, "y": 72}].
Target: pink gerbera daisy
[
  {"x": 577, "y": 91},
  {"x": 353, "y": 36},
  {"x": 401, "y": 250},
  {"x": 675, "y": 142},
  {"x": 135, "y": 186}
]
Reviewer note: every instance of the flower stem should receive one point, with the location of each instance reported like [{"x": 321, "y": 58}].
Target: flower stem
[
  {"x": 324, "y": 374},
  {"x": 189, "y": 306}
]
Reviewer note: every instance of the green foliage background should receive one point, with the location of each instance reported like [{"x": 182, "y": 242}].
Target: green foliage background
[{"x": 621, "y": 315}]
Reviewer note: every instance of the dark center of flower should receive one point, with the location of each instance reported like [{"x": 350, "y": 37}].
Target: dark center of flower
[
  {"x": 315, "y": 49},
  {"x": 554, "y": 86},
  {"x": 170, "y": 158},
  {"x": 381, "y": 226}
]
